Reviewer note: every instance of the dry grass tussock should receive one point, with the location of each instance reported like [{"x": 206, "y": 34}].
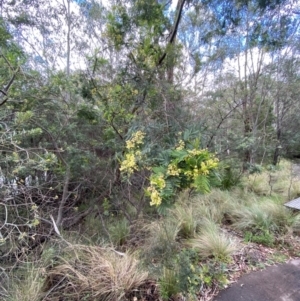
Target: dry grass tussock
[
  {"x": 265, "y": 215},
  {"x": 259, "y": 183},
  {"x": 94, "y": 273},
  {"x": 184, "y": 216},
  {"x": 211, "y": 242},
  {"x": 214, "y": 206}
]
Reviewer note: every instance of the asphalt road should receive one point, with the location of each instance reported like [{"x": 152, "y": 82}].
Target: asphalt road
[{"x": 275, "y": 283}]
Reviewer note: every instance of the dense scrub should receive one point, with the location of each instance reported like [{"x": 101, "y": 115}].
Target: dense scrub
[{"x": 192, "y": 250}]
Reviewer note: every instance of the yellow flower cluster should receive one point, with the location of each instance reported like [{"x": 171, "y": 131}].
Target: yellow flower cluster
[
  {"x": 35, "y": 223},
  {"x": 181, "y": 145},
  {"x": 137, "y": 139},
  {"x": 155, "y": 196},
  {"x": 212, "y": 163},
  {"x": 193, "y": 173},
  {"x": 129, "y": 164},
  {"x": 158, "y": 181},
  {"x": 196, "y": 152},
  {"x": 173, "y": 170},
  {"x": 204, "y": 168}
]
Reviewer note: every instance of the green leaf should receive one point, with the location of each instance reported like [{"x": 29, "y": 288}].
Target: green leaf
[{"x": 201, "y": 184}]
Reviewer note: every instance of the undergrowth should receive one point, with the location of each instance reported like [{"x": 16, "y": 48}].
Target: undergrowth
[{"x": 182, "y": 254}]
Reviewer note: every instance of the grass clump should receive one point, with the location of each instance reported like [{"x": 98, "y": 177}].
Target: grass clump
[
  {"x": 26, "y": 284},
  {"x": 263, "y": 217},
  {"x": 211, "y": 243},
  {"x": 27, "y": 280},
  {"x": 259, "y": 183},
  {"x": 296, "y": 224},
  {"x": 185, "y": 217},
  {"x": 94, "y": 273},
  {"x": 214, "y": 206},
  {"x": 161, "y": 244}
]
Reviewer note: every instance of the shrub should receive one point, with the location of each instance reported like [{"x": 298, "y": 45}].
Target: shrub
[
  {"x": 184, "y": 167},
  {"x": 192, "y": 277},
  {"x": 230, "y": 177},
  {"x": 177, "y": 168}
]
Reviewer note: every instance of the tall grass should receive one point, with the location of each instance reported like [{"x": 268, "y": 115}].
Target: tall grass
[
  {"x": 26, "y": 284},
  {"x": 216, "y": 205},
  {"x": 94, "y": 273},
  {"x": 119, "y": 231},
  {"x": 161, "y": 243},
  {"x": 280, "y": 182},
  {"x": 211, "y": 242},
  {"x": 263, "y": 216},
  {"x": 259, "y": 183},
  {"x": 168, "y": 284},
  {"x": 186, "y": 218}
]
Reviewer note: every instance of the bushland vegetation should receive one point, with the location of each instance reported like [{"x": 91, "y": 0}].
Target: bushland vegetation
[{"x": 147, "y": 148}]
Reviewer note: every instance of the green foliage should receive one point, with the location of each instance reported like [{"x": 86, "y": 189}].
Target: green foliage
[
  {"x": 190, "y": 273},
  {"x": 168, "y": 284},
  {"x": 118, "y": 25},
  {"x": 141, "y": 25},
  {"x": 230, "y": 177},
  {"x": 265, "y": 238},
  {"x": 189, "y": 276},
  {"x": 186, "y": 166}
]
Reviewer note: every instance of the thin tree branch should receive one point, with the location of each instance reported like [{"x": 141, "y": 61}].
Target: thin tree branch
[
  {"x": 5, "y": 90},
  {"x": 172, "y": 37}
]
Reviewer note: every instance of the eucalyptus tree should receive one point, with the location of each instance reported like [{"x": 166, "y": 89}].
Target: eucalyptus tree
[
  {"x": 285, "y": 93},
  {"x": 241, "y": 41}
]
